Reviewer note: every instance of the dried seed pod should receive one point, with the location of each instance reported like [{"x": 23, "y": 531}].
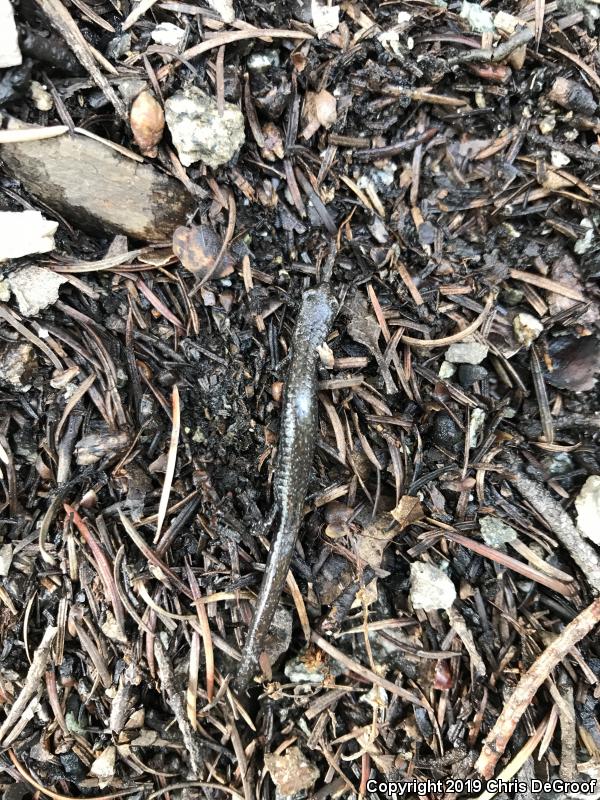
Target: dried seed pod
[{"x": 147, "y": 121}]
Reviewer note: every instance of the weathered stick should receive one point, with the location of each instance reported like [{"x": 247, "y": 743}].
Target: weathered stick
[
  {"x": 94, "y": 186},
  {"x": 175, "y": 700},
  {"x": 32, "y": 682},
  {"x": 582, "y": 553},
  {"x": 516, "y": 705}
]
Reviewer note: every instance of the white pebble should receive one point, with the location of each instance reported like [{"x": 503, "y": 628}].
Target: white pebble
[
  {"x": 588, "y": 509},
  {"x": 430, "y": 588}
]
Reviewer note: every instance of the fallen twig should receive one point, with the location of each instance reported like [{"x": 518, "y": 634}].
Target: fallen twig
[
  {"x": 364, "y": 672},
  {"x": 559, "y": 522},
  {"x": 32, "y": 683},
  {"x": 64, "y": 23},
  {"x": 455, "y": 337},
  {"x": 176, "y": 702},
  {"x": 498, "y": 738}
]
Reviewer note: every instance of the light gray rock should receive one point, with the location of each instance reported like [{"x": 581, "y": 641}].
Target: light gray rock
[
  {"x": 10, "y": 55},
  {"x": 25, "y": 232},
  {"x": 447, "y": 370},
  {"x": 35, "y": 288},
  {"x": 291, "y": 771},
  {"x": 17, "y": 366},
  {"x": 6, "y": 556},
  {"x": 527, "y": 328},
  {"x": 475, "y": 426},
  {"x": 496, "y": 533},
  {"x": 224, "y": 8},
  {"x": 588, "y": 509},
  {"x": 477, "y": 18},
  {"x": 430, "y": 587},
  {"x": 168, "y": 34},
  {"x": 199, "y": 132},
  {"x": 264, "y": 59},
  {"x": 468, "y": 352}
]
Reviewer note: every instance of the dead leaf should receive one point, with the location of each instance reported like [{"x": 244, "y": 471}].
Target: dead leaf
[
  {"x": 325, "y": 18},
  {"x": 198, "y": 246},
  {"x": 408, "y": 510}
]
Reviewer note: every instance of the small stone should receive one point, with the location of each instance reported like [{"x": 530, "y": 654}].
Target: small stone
[
  {"x": 547, "y": 124},
  {"x": 72, "y": 765},
  {"x": 559, "y": 159},
  {"x": 35, "y": 288},
  {"x": 468, "y": 374},
  {"x": 588, "y": 509},
  {"x": 10, "y": 55},
  {"x": 130, "y": 89},
  {"x": 527, "y": 328},
  {"x": 475, "y": 426},
  {"x": 512, "y": 297},
  {"x": 468, "y": 352},
  {"x": 291, "y": 771},
  {"x": 430, "y": 587},
  {"x": 558, "y": 463},
  {"x": 224, "y": 8},
  {"x": 42, "y": 99},
  {"x": 118, "y": 46},
  {"x": 447, "y": 370},
  {"x": 583, "y": 244},
  {"x": 445, "y": 432},
  {"x": 496, "y": 533},
  {"x": 478, "y": 19},
  {"x": 18, "y": 366},
  {"x": 103, "y": 767},
  {"x": 6, "y": 556},
  {"x": 112, "y": 629},
  {"x": 325, "y": 17},
  {"x": 264, "y": 59},
  {"x": 168, "y": 34},
  {"x": 199, "y": 132},
  {"x": 25, "y": 232}
]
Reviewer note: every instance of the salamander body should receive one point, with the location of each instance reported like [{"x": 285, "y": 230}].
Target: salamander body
[{"x": 297, "y": 435}]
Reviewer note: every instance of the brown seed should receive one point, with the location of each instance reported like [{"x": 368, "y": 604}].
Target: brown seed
[{"x": 147, "y": 120}]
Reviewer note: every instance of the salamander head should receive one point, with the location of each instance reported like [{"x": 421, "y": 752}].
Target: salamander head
[{"x": 320, "y": 305}]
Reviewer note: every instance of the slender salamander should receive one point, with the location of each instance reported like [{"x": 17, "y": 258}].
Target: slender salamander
[{"x": 297, "y": 436}]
